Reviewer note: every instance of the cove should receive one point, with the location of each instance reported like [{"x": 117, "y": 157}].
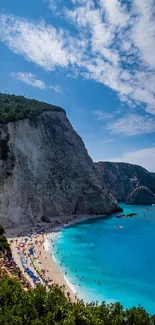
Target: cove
[{"x": 102, "y": 262}]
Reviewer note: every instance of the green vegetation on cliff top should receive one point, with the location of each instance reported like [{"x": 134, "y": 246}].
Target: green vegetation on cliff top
[{"x": 13, "y": 108}]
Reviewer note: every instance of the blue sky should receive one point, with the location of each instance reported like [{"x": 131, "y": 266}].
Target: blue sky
[{"x": 94, "y": 58}]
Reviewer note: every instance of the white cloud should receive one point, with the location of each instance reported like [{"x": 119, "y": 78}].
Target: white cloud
[
  {"x": 126, "y": 46},
  {"x": 54, "y": 5},
  {"x": 101, "y": 115},
  {"x": 29, "y": 79},
  {"x": 144, "y": 30},
  {"x": 144, "y": 96},
  {"x": 133, "y": 124},
  {"x": 111, "y": 42},
  {"x": 56, "y": 88},
  {"x": 142, "y": 157},
  {"x": 151, "y": 109},
  {"x": 116, "y": 14},
  {"x": 41, "y": 44}
]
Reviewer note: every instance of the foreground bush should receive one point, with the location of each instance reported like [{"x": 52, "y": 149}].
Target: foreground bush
[
  {"x": 41, "y": 307},
  {"x": 4, "y": 246}
]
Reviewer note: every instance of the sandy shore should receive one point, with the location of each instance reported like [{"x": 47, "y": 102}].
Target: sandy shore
[{"x": 39, "y": 238}]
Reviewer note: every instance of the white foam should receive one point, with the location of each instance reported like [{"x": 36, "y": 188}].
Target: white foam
[
  {"x": 70, "y": 285},
  {"x": 47, "y": 243},
  {"x": 54, "y": 258},
  {"x": 47, "y": 247}
]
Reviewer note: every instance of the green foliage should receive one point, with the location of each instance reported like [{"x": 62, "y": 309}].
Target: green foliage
[
  {"x": 14, "y": 108},
  {"x": 1, "y": 230},
  {"x": 4, "y": 246},
  {"x": 41, "y": 307}
]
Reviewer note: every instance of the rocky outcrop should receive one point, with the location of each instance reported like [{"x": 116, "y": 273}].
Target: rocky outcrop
[
  {"x": 141, "y": 195},
  {"x": 45, "y": 170},
  {"x": 121, "y": 179}
]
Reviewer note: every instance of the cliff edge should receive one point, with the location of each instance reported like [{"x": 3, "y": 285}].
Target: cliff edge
[{"x": 45, "y": 169}]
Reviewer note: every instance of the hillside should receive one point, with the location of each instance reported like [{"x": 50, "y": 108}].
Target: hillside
[
  {"x": 121, "y": 179},
  {"x": 45, "y": 169}
]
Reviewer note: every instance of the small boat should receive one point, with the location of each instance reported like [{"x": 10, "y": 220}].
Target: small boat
[{"x": 119, "y": 227}]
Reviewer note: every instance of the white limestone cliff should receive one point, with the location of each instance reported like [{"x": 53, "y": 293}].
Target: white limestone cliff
[{"x": 45, "y": 170}]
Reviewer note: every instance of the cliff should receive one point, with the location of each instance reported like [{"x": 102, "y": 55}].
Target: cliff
[
  {"x": 45, "y": 169},
  {"x": 141, "y": 195},
  {"x": 121, "y": 179}
]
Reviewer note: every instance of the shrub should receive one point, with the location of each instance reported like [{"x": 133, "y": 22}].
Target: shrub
[{"x": 1, "y": 230}]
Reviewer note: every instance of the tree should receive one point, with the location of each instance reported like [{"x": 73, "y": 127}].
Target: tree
[
  {"x": 41, "y": 307},
  {"x": 1, "y": 230}
]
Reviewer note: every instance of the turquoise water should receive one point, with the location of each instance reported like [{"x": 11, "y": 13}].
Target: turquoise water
[{"x": 105, "y": 263}]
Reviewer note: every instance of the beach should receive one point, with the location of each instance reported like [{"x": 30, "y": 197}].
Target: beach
[{"x": 31, "y": 248}]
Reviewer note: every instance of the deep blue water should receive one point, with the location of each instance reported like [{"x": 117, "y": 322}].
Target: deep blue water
[{"x": 105, "y": 263}]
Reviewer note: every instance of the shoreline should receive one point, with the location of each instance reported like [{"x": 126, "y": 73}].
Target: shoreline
[
  {"x": 57, "y": 277},
  {"x": 41, "y": 236}
]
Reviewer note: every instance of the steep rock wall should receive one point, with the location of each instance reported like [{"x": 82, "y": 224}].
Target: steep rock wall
[
  {"x": 121, "y": 179},
  {"x": 45, "y": 170}
]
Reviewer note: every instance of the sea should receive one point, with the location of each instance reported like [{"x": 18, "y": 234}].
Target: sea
[{"x": 102, "y": 262}]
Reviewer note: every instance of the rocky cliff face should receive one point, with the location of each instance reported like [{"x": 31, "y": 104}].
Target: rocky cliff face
[
  {"x": 45, "y": 170},
  {"x": 141, "y": 195},
  {"x": 122, "y": 178}
]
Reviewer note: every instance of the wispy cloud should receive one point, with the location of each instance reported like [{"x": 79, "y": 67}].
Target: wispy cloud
[
  {"x": 55, "y": 5},
  {"x": 133, "y": 124},
  {"x": 56, "y": 88},
  {"x": 113, "y": 43},
  {"x": 31, "y": 80},
  {"x": 101, "y": 115},
  {"x": 143, "y": 33},
  {"x": 142, "y": 157},
  {"x": 151, "y": 109},
  {"x": 37, "y": 42}
]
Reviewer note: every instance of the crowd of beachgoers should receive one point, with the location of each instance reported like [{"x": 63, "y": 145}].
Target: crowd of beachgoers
[
  {"x": 35, "y": 260},
  {"x": 32, "y": 251},
  {"x": 29, "y": 249}
]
